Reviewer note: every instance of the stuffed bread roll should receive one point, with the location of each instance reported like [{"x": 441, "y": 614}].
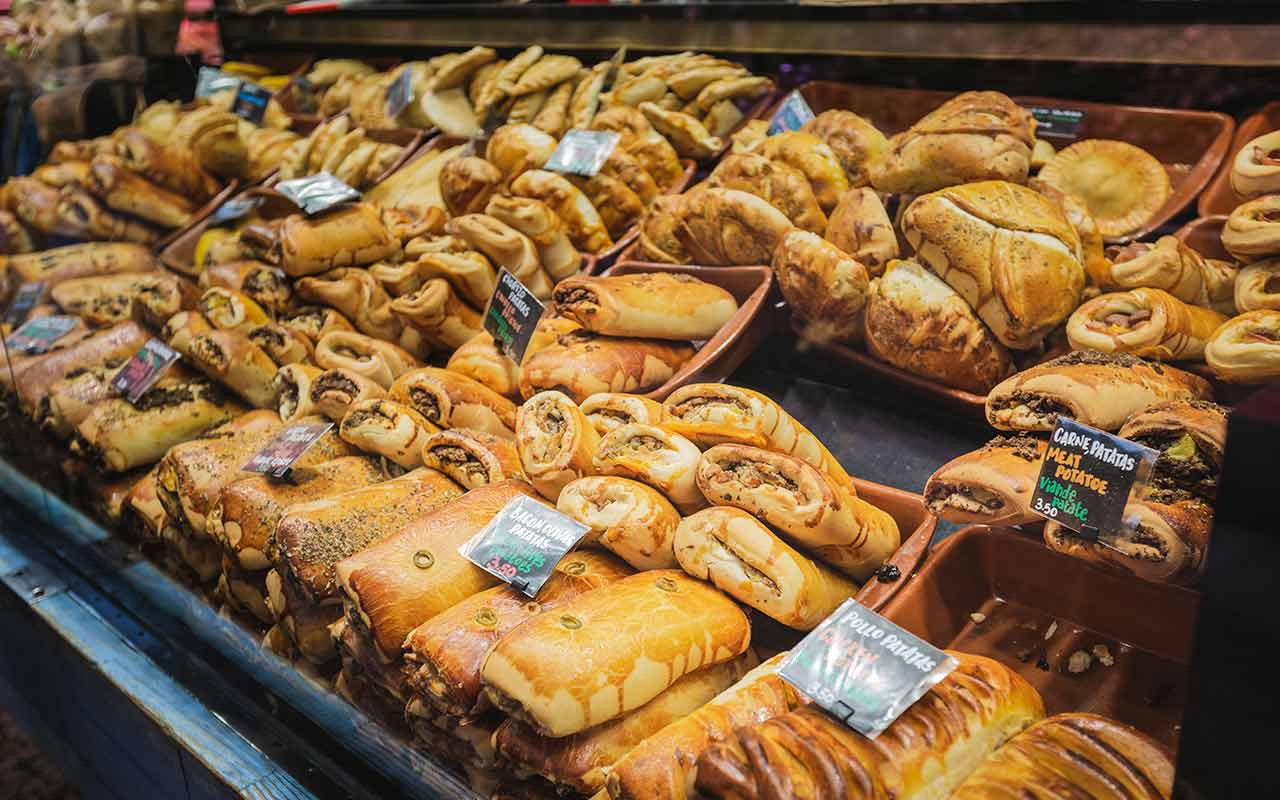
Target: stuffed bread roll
[
  {"x": 822, "y": 515},
  {"x": 284, "y": 345},
  {"x": 388, "y": 429},
  {"x": 103, "y": 300},
  {"x": 195, "y": 558},
  {"x": 481, "y": 360},
  {"x": 58, "y": 264},
  {"x": 1098, "y": 389},
  {"x": 989, "y": 486},
  {"x": 232, "y": 359},
  {"x": 292, "y": 387},
  {"x": 335, "y": 391},
  {"x": 145, "y": 517},
  {"x": 581, "y": 761},
  {"x": 451, "y": 400},
  {"x": 409, "y": 577},
  {"x": 229, "y": 309},
  {"x": 379, "y": 361},
  {"x": 167, "y": 166},
  {"x": 183, "y": 328},
  {"x": 711, "y": 413},
  {"x": 306, "y": 626},
  {"x": 1246, "y": 349},
  {"x": 1190, "y": 436},
  {"x": 555, "y": 442},
  {"x": 1171, "y": 266},
  {"x": 927, "y": 752},
  {"x": 13, "y": 363},
  {"x": 606, "y": 653},
  {"x": 664, "y": 460},
  {"x": 314, "y": 322},
  {"x": 740, "y": 556},
  {"x": 79, "y": 215},
  {"x": 35, "y": 375},
  {"x": 653, "y": 305},
  {"x": 664, "y": 766},
  {"x": 350, "y": 236},
  {"x": 824, "y": 286},
  {"x": 439, "y": 314},
  {"x": 610, "y": 410},
  {"x": 243, "y": 519},
  {"x": 472, "y": 458},
  {"x": 123, "y": 190},
  {"x": 154, "y": 304},
  {"x": 444, "y": 655},
  {"x": 119, "y": 436},
  {"x": 630, "y": 519},
  {"x": 505, "y": 247},
  {"x": 582, "y": 363},
  {"x": 1258, "y": 287},
  {"x": 357, "y": 295},
  {"x": 1145, "y": 322},
  {"x": 1252, "y": 231},
  {"x": 70, "y": 400},
  {"x": 470, "y": 274}
]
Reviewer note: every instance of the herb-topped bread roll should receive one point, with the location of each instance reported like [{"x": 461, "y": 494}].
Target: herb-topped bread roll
[
  {"x": 378, "y": 360},
  {"x": 664, "y": 460},
  {"x": 1190, "y": 436},
  {"x": 231, "y": 358},
  {"x": 452, "y": 400},
  {"x": 656, "y": 305},
  {"x": 58, "y": 264},
  {"x": 629, "y": 518},
  {"x": 989, "y": 486},
  {"x": 1144, "y": 322},
  {"x": 387, "y": 428},
  {"x": 556, "y": 442}
]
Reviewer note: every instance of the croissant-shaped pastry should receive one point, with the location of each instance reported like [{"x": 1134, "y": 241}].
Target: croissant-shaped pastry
[
  {"x": 516, "y": 149},
  {"x": 555, "y": 441},
  {"x": 582, "y": 363},
  {"x": 658, "y": 240},
  {"x": 816, "y": 161},
  {"x": 687, "y": 134},
  {"x": 1171, "y": 266},
  {"x": 545, "y": 73},
  {"x": 1144, "y": 322},
  {"x": 626, "y": 168},
  {"x": 437, "y": 312},
  {"x": 585, "y": 228},
  {"x": 1252, "y": 230},
  {"x": 535, "y": 219},
  {"x": 632, "y": 520},
  {"x": 334, "y": 391},
  {"x": 228, "y": 309},
  {"x": 232, "y": 359},
  {"x": 381, "y": 362},
  {"x": 1246, "y": 349},
  {"x": 618, "y": 206},
  {"x": 506, "y": 247},
  {"x": 314, "y": 322},
  {"x": 481, "y": 360},
  {"x": 664, "y": 460},
  {"x": 356, "y": 294},
  {"x": 860, "y": 227},
  {"x": 350, "y": 236},
  {"x": 451, "y": 400},
  {"x": 731, "y": 227},
  {"x": 388, "y": 429},
  {"x": 467, "y": 183},
  {"x": 470, "y": 274},
  {"x": 292, "y": 387},
  {"x": 778, "y": 183},
  {"x": 610, "y": 410},
  {"x": 472, "y": 458},
  {"x": 1255, "y": 169}
]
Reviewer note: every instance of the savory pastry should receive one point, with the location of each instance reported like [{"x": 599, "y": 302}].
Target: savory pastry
[
  {"x": 825, "y": 287},
  {"x": 609, "y": 410},
  {"x": 1123, "y": 186},
  {"x": 535, "y": 219},
  {"x": 586, "y": 98},
  {"x": 1080, "y": 755},
  {"x": 472, "y": 458},
  {"x": 1007, "y": 250},
  {"x": 232, "y": 359},
  {"x": 630, "y": 519},
  {"x": 316, "y": 321},
  {"x": 335, "y": 391},
  {"x": 728, "y": 227},
  {"x": 1096, "y": 265},
  {"x": 583, "y": 223},
  {"x": 292, "y": 387},
  {"x": 506, "y": 247},
  {"x": 104, "y": 299},
  {"x": 812, "y": 158},
  {"x": 1171, "y": 266},
  {"x": 156, "y": 302},
  {"x": 859, "y": 226},
  {"x": 1097, "y": 389},
  {"x": 642, "y": 142},
  {"x": 480, "y": 359},
  {"x": 123, "y": 190},
  {"x": 625, "y": 167},
  {"x": 284, "y": 345},
  {"x": 974, "y": 136},
  {"x": 582, "y": 363},
  {"x": 451, "y": 400},
  {"x": 437, "y": 312},
  {"x": 664, "y": 460},
  {"x": 470, "y": 273},
  {"x": 1190, "y": 436},
  {"x": 183, "y": 328},
  {"x": 555, "y": 441},
  {"x": 58, "y": 264},
  {"x": 656, "y": 305},
  {"x": 357, "y": 295},
  {"x": 32, "y": 376},
  {"x": 380, "y": 361},
  {"x": 1252, "y": 230},
  {"x": 619, "y": 207},
  {"x": 1145, "y": 322},
  {"x": 854, "y": 141},
  {"x": 1257, "y": 286},
  {"x": 1255, "y": 170},
  {"x": 517, "y": 149},
  {"x": 353, "y": 235},
  {"x": 144, "y": 516},
  {"x": 229, "y": 309},
  {"x": 70, "y": 399},
  {"x": 658, "y": 241},
  {"x": 605, "y": 653},
  {"x": 387, "y": 428},
  {"x": 918, "y": 323},
  {"x": 165, "y": 166},
  {"x": 553, "y": 117},
  {"x": 989, "y": 486},
  {"x": 687, "y": 134},
  {"x": 1246, "y": 349},
  {"x": 782, "y": 186}
]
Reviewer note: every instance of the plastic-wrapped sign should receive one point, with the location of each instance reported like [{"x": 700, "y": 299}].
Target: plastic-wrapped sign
[
  {"x": 583, "y": 152},
  {"x": 791, "y": 115},
  {"x": 317, "y": 193},
  {"x": 523, "y": 543}
]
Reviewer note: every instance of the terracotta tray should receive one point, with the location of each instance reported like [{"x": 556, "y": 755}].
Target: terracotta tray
[
  {"x": 753, "y": 288},
  {"x": 199, "y": 217},
  {"x": 594, "y": 263},
  {"x": 1220, "y": 198},
  {"x": 1191, "y": 144},
  {"x": 1204, "y": 235},
  {"x": 1023, "y": 588}
]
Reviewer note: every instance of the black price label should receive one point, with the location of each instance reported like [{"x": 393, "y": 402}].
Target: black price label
[
  {"x": 583, "y": 152},
  {"x": 523, "y": 543},
  {"x": 26, "y": 298},
  {"x": 304, "y": 95},
  {"x": 791, "y": 115},
  {"x": 210, "y": 80},
  {"x": 316, "y": 193},
  {"x": 400, "y": 95},
  {"x": 1087, "y": 476},
  {"x": 38, "y": 335},
  {"x": 277, "y": 458},
  {"x": 251, "y": 102},
  {"x": 863, "y": 669},
  {"x": 1060, "y": 122},
  {"x": 512, "y": 314},
  {"x": 236, "y": 208},
  {"x": 142, "y": 371}
]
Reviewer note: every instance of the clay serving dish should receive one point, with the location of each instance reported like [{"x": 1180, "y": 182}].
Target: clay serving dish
[
  {"x": 1204, "y": 235},
  {"x": 198, "y": 218},
  {"x": 1219, "y": 197}
]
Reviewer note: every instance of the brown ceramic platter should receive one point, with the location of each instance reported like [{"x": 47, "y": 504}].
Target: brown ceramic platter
[
  {"x": 1219, "y": 197},
  {"x": 594, "y": 263},
  {"x": 1204, "y": 235},
  {"x": 200, "y": 216},
  {"x": 1037, "y": 607}
]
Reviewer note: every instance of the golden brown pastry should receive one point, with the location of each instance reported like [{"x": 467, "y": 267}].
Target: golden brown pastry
[
  {"x": 470, "y": 274},
  {"x": 58, "y": 264},
  {"x": 1257, "y": 286},
  {"x": 1145, "y": 322},
  {"x": 625, "y": 167},
  {"x": 1123, "y": 186},
  {"x": 812, "y": 158},
  {"x": 387, "y": 428},
  {"x": 1255, "y": 169},
  {"x": 467, "y": 183},
  {"x": 989, "y": 486},
  {"x": 658, "y": 240},
  {"x": 350, "y": 236},
  {"x": 316, "y": 321},
  {"x": 859, "y": 226},
  {"x": 728, "y": 227},
  {"x": 642, "y": 142},
  {"x": 918, "y": 323},
  {"x": 610, "y": 410},
  {"x": 553, "y": 117},
  {"x": 555, "y": 441},
  {"x": 1171, "y": 266},
  {"x": 686, "y": 133},
  {"x": 664, "y": 460},
  {"x": 581, "y": 363},
  {"x": 103, "y": 299},
  {"x": 1190, "y": 436},
  {"x": 472, "y": 458},
  {"x": 480, "y": 359},
  {"x": 183, "y": 328},
  {"x": 232, "y": 359},
  {"x": 784, "y": 187},
  {"x": 1096, "y": 265},
  {"x": 334, "y": 391},
  {"x": 506, "y": 247},
  {"x": 641, "y": 636},
  {"x": 438, "y": 314},
  {"x": 583, "y": 223},
  {"x": 630, "y": 519},
  {"x": 451, "y": 400},
  {"x": 357, "y": 295},
  {"x": 1252, "y": 230},
  {"x": 154, "y": 304},
  {"x": 292, "y": 387},
  {"x": 229, "y": 309},
  {"x": 656, "y": 305},
  {"x": 824, "y": 286},
  {"x": 122, "y": 190},
  {"x": 381, "y": 362},
  {"x": 70, "y": 400},
  {"x": 1246, "y": 349},
  {"x": 619, "y": 207},
  {"x": 516, "y": 149},
  {"x": 854, "y": 141},
  {"x": 535, "y": 219},
  {"x": 283, "y": 345}
]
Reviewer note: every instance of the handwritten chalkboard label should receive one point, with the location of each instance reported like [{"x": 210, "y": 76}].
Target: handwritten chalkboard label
[
  {"x": 251, "y": 102},
  {"x": 511, "y": 316}
]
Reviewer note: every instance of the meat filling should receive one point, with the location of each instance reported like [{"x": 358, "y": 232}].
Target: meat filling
[
  {"x": 1268, "y": 158},
  {"x": 288, "y": 399},
  {"x": 208, "y": 352},
  {"x": 457, "y": 457},
  {"x": 1119, "y": 319},
  {"x": 754, "y": 474},
  {"x": 698, "y": 408},
  {"x": 757, "y": 578},
  {"x": 635, "y": 444},
  {"x": 965, "y": 498},
  {"x": 368, "y": 416},
  {"x": 1038, "y": 404},
  {"x": 425, "y": 403},
  {"x": 1268, "y": 335},
  {"x": 1181, "y": 464},
  {"x": 575, "y": 296},
  {"x": 340, "y": 385}
]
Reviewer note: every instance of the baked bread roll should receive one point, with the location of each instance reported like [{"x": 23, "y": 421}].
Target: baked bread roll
[
  {"x": 233, "y": 360},
  {"x": 609, "y": 410},
  {"x": 1190, "y": 436},
  {"x": 606, "y": 653},
  {"x": 687, "y": 134},
  {"x": 356, "y": 294},
  {"x": 407, "y": 578},
  {"x": 581, "y": 363},
  {"x": 439, "y": 314},
  {"x": 145, "y": 516},
  {"x": 1145, "y": 322},
  {"x": 823, "y": 515},
  {"x": 1171, "y": 266},
  {"x": 641, "y": 141},
  {"x": 481, "y": 360},
  {"x": 470, "y": 274},
  {"x": 1077, "y": 754},
  {"x": 1008, "y": 251},
  {"x": 1097, "y": 389},
  {"x": 582, "y": 222},
  {"x": 664, "y": 460},
  {"x": 58, "y": 264},
  {"x": 535, "y": 219},
  {"x": 658, "y": 241},
  {"x": 345, "y": 237},
  {"x": 782, "y": 186},
  {"x": 450, "y": 400},
  {"x": 553, "y": 117},
  {"x": 1258, "y": 287},
  {"x": 824, "y": 286},
  {"x": 387, "y": 428},
  {"x": 443, "y": 656},
  {"x": 859, "y": 226},
  {"x": 1252, "y": 232},
  {"x": 102, "y": 300},
  {"x": 155, "y": 303},
  {"x": 467, "y": 183},
  {"x": 335, "y": 391},
  {"x": 1123, "y": 186},
  {"x": 630, "y": 519},
  {"x": 122, "y": 190},
  {"x": 808, "y": 154},
  {"x": 730, "y": 227},
  {"x": 284, "y": 345},
  {"x": 1246, "y": 349},
  {"x": 989, "y": 486},
  {"x": 555, "y": 441},
  {"x": 625, "y": 167},
  {"x": 70, "y": 400},
  {"x": 974, "y": 136},
  {"x": 739, "y": 555},
  {"x": 377, "y": 360},
  {"x": 183, "y": 328},
  {"x": 619, "y": 207},
  {"x": 927, "y": 752},
  {"x": 855, "y": 142},
  {"x": 314, "y": 322},
  {"x": 1255, "y": 170},
  {"x": 518, "y": 148},
  {"x": 311, "y": 538},
  {"x": 1096, "y": 265},
  {"x": 472, "y": 458},
  {"x": 655, "y": 305},
  {"x": 506, "y": 247},
  {"x": 167, "y": 166},
  {"x": 195, "y": 560}
]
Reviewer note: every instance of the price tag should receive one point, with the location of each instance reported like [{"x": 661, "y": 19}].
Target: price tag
[
  {"x": 251, "y": 102},
  {"x": 142, "y": 371},
  {"x": 277, "y": 458},
  {"x": 583, "y": 152},
  {"x": 400, "y": 95},
  {"x": 1059, "y": 122},
  {"x": 316, "y": 193},
  {"x": 512, "y": 314},
  {"x": 234, "y": 209},
  {"x": 25, "y": 299},
  {"x": 791, "y": 115},
  {"x": 38, "y": 335},
  {"x": 210, "y": 80},
  {"x": 1087, "y": 476},
  {"x": 523, "y": 543},
  {"x": 863, "y": 669}
]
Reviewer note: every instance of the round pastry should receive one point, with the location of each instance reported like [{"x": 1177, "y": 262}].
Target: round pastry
[
  {"x": 1258, "y": 286},
  {"x": 1256, "y": 168},
  {"x": 1123, "y": 186},
  {"x": 1252, "y": 231},
  {"x": 1246, "y": 349}
]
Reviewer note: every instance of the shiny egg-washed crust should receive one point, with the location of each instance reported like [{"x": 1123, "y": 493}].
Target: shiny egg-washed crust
[
  {"x": 925, "y": 753},
  {"x": 516, "y": 149},
  {"x": 778, "y": 183},
  {"x": 555, "y": 441},
  {"x": 814, "y": 159},
  {"x": 414, "y": 574},
  {"x": 535, "y": 219},
  {"x": 658, "y": 241},
  {"x": 123, "y": 190},
  {"x": 1257, "y": 286},
  {"x": 481, "y": 360},
  {"x": 1256, "y": 169},
  {"x": 443, "y": 656},
  {"x": 60, "y": 264},
  {"x": 727, "y": 227},
  {"x": 581, "y": 363},
  {"x": 103, "y": 299},
  {"x": 472, "y": 458},
  {"x": 583, "y": 223},
  {"x": 452, "y": 400},
  {"x": 619, "y": 207},
  {"x": 988, "y": 486},
  {"x": 1122, "y": 185},
  {"x": 145, "y": 516},
  {"x": 609, "y": 410},
  {"x": 376, "y": 359},
  {"x": 467, "y": 183},
  {"x": 860, "y": 226},
  {"x": 69, "y": 400},
  {"x": 231, "y": 358},
  {"x": 1252, "y": 230},
  {"x": 854, "y": 140},
  {"x": 315, "y": 321},
  {"x": 335, "y": 391},
  {"x": 438, "y": 314},
  {"x": 351, "y": 236},
  {"x": 1173, "y": 267},
  {"x": 655, "y": 456},
  {"x": 631, "y": 519},
  {"x": 822, "y": 284},
  {"x": 1093, "y": 248},
  {"x": 386, "y": 428},
  {"x": 1246, "y": 349},
  {"x": 1167, "y": 545},
  {"x": 1073, "y": 755},
  {"x": 506, "y": 247},
  {"x": 358, "y": 296},
  {"x": 1144, "y": 322},
  {"x": 606, "y": 653}
]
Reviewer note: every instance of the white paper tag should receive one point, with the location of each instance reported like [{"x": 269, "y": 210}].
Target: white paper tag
[{"x": 791, "y": 115}]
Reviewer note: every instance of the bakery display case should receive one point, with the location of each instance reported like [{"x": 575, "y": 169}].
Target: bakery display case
[{"x": 712, "y": 328}]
